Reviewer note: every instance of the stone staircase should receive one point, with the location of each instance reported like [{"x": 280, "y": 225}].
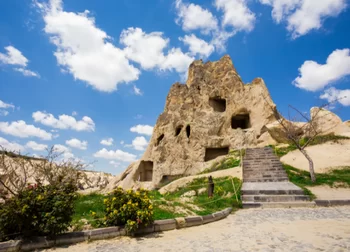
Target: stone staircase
[{"x": 266, "y": 184}]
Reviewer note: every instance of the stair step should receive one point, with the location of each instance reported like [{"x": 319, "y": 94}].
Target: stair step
[
  {"x": 267, "y": 176},
  {"x": 274, "y": 198},
  {"x": 266, "y": 180},
  {"x": 272, "y": 192},
  {"x": 247, "y": 204}
]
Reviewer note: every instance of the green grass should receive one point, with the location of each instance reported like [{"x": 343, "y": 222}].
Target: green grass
[
  {"x": 217, "y": 202},
  {"x": 331, "y": 178},
  {"x": 87, "y": 203},
  {"x": 336, "y": 177},
  {"x": 227, "y": 163}
]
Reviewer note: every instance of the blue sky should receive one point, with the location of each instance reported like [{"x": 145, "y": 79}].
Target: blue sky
[{"x": 74, "y": 73}]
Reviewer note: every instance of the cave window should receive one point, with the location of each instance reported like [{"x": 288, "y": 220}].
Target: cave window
[
  {"x": 145, "y": 171},
  {"x": 159, "y": 139},
  {"x": 188, "y": 131},
  {"x": 218, "y": 104},
  {"x": 240, "y": 121},
  {"x": 178, "y": 130},
  {"x": 212, "y": 153}
]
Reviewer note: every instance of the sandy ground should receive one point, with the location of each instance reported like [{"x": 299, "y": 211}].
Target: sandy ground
[
  {"x": 325, "y": 156},
  {"x": 329, "y": 193},
  {"x": 296, "y": 229},
  {"x": 233, "y": 172}
]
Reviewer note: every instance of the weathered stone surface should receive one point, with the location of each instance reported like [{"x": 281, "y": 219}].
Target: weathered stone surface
[
  {"x": 205, "y": 118},
  {"x": 325, "y": 120},
  {"x": 198, "y": 116}
]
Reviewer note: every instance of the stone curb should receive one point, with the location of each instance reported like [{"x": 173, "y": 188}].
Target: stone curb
[
  {"x": 110, "y": 232},
  {"x": 327, "y": 203}
]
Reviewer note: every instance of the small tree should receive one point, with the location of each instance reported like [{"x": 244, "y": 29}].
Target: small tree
[
  {"x": 38, "y": 194},
  {"x": 301, "y": 129}
]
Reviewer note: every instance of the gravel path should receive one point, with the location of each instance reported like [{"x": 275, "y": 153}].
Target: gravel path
[{"x": 298, "y": 229}]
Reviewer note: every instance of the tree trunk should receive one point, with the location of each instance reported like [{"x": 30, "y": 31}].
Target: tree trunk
[{"x": 311, "y": 166}]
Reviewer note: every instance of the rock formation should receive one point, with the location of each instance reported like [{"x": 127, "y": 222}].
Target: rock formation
[{"x": 202, "y": 120}]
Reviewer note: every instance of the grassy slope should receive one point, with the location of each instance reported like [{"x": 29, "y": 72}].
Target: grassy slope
[{"x": 223, "y": 197}]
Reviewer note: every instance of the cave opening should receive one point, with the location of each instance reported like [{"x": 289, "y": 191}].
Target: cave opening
[
  {"x": 212, "y": 153},
  {"x": 159, "y": 139},
  {"x": 145, "y": 171},
  {"x": 218, "y": 104},
  {"x": 178, "y": 130},
  {"x": 188, "y": 131},
  {"x": 240, "y": 121}
]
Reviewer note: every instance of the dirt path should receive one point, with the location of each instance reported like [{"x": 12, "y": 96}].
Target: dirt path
[{"x": 298, "y": 229}]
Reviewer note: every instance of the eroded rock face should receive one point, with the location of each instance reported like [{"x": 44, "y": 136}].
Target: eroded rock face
[
  {"x": 202, "y": 119},
  {"x": 205, "y": 118}
]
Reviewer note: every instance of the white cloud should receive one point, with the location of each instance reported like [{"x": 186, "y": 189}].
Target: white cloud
[
  {"x": 74, "y": 113},
  {"x": 142, "y": 129},
  {"x": 314, "y": 76},
  {"x": 139, "y": 143},
  {"x": 116, "y": 155},
  {"x": 23, "y": 130},
  {"x": 335, "y": 95},
  {"x": 177, "y": 60},
  {"x": 302, "y": 16},
  {"x": 4, "y": 105},
  {"x": 13, "y": 57},
  {"x": 76, "y": 143},
  {"x": 36, "y": 146},
  {"x": 144, "y": 48},
  {"x": 10, "y": 146},
  {"x": 64, "y": 151},
  {"x": 27, "y": 72},
  {"x": 84, "y": 50},
  {"x": 147, "y": 49},
  {"x": 115, "y": 164},
  {"x": 236, "y": 14},
  {"x": 137, "y": 91},
  {"x": 194, "y": 17},
  {"x": 122, "y": 142},
  {"x": 64, "y": 121},
  {"x": 198, "y": 46},
  {"x": 107, "y": 142},
  {"x": 3, "y": 112}
]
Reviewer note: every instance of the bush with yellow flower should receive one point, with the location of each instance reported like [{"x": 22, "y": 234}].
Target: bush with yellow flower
[{"x": 130, "y": 208}]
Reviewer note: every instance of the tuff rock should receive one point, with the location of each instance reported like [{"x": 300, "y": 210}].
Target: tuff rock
[{"x": 202, "y": 120}]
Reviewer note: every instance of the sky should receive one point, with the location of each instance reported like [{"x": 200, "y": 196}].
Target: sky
[{"x": 91, "y": 77}]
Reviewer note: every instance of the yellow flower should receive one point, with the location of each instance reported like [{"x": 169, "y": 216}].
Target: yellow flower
[
  {"x": 129, "y": 202},
  {"x": 115, "y": 211},
  {"x": 105, "y": 201},
  {"x": 40, "y": 197},
  {"x": 150, "y": 207},
  {"x": 114, "y": 199}
]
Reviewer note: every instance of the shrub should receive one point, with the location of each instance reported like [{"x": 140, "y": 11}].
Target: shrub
[
  {"x": 38, "y": 210},
  {"x": 130, "y": 208}
]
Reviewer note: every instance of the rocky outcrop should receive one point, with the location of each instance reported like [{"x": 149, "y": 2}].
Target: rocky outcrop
[
  {"x": 205, "y": 118},
  {"x": 202, "y": 119}
]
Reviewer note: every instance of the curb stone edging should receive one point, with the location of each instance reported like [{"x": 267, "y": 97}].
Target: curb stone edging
[
  {"x": 327, "y": 203},
  {"x": 110, "y": 232}
]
